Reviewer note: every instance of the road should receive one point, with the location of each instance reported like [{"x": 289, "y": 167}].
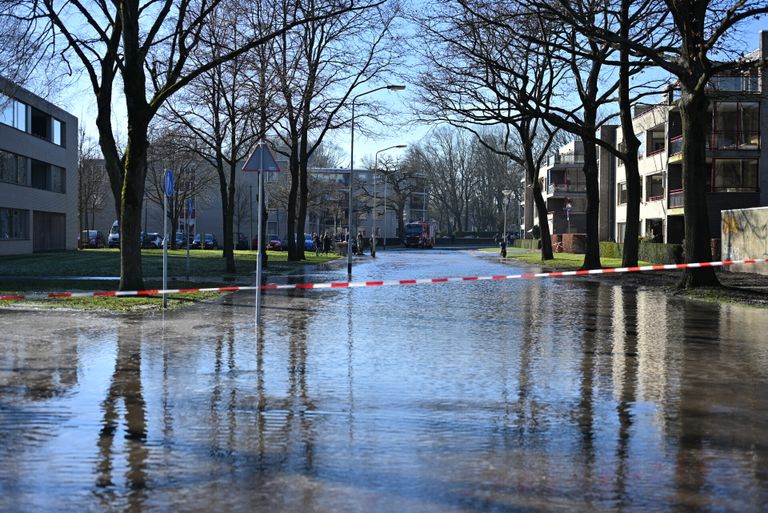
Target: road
[{"x": 527, "y": 395}]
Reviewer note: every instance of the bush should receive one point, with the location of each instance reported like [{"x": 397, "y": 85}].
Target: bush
[{"x": 653, "y": 252}]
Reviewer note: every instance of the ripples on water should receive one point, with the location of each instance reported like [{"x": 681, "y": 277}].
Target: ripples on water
[{"x": 505, "y": 396}]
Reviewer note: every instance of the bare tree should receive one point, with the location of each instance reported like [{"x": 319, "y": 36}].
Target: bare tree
[
  {"x": 321, "y": 67},
  {"x": 222, "y": 109},
  {"x": 193, "y": 178},
  {"x": 479, "y": 71},
  {"x": 698, "y": 30},
  {"x": 145, "y": 47},
  {"x": 92, "y": 187}
]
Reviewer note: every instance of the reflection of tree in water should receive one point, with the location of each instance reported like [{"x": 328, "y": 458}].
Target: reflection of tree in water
[
  {"x": 124, "y": 395},
  {"x": 591, "y": 311},
  {"x": 625, "y": 352},
  {"x": 40, "y": 369}
]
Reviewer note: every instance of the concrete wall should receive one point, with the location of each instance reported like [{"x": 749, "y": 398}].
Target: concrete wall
[
  {"x": 744, "y": 234},
  {"x": 25, "y": 197}
]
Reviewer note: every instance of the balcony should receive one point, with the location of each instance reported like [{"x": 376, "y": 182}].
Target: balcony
[
  {"x": 565, "y": 158},
  {"x": 675, "y": 199},
  {"x": 555, "y": 189},
  {"x": 734, "y": 84},
  {"x": 735, "y": 140}
]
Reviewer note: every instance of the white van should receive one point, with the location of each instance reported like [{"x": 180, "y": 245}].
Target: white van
[{"x": 113, "y": 239}]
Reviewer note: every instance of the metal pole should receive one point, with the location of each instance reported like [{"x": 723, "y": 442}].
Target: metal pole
[
  {"x": 165, "y": 249},
  {"x": 351, "y": 174},
  {"x": 373, "y": 211},
  {"x": 259, "y": 243},
  {"x": 385, "y": 213},
  {"x": 186, "y": 232}
]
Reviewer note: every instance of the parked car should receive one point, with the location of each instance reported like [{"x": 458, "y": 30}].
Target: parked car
[
  {"x": 91, "y": 239},
  {"x": 113, "y": 239},
  {"x": 205, "y": 241},
  {"x": 274, "y": 243},
  {"x": 151, "y": 240}
]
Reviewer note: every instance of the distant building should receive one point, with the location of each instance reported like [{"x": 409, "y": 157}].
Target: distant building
[{"x": 38, "y": 174}]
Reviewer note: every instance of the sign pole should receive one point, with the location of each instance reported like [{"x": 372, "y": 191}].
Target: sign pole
[
  {"x": 168, "y": 189},
  {"x": 261, "y": 247},
  {"x": 186, "y": 231},
  {"x": 165, "y": 249}
]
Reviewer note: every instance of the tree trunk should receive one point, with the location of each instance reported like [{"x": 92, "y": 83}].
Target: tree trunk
[
  {"x": 631, "y": 145},
  {"x": 693, "y": 111},
  {"x": 292, "y": 196},
  {"x": 592, "y": 256},
  {"x": 229, "y": 217},
  {"x": 541, "y": 209},
  {"x": 131, "y": 275},
  {"x": 303, "y": 189}
]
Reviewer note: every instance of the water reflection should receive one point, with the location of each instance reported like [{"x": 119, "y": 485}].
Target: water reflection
[
  {"x": 509, "y": 396},
  {"x": 124, "y": 395}
]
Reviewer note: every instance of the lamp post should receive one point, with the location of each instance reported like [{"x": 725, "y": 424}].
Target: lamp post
[
  {"x": 352, "y": 169},
  {"x": 506, "y": 193},
  {"x": 373, "y": 225}
]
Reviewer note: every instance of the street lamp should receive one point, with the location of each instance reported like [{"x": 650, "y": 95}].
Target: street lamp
[
  {"x": 352, "y": 168},
  {"x": 506, "y": 193},
  {"x": 373, "y": 225}
]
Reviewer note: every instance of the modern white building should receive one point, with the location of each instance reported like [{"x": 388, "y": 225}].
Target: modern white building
[{"x": 38, "y": 174}]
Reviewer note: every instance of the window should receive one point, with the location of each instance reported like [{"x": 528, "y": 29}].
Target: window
[
  {"x": 641, "y": 150},
  {"x": 48, "y": 177},
  {"x": 654, "y": 188},
  {"x": 621, "y": 196},
  {"x": 58, "y": 179},
  {"x": 656, "y": 140},
  {"x": 13, "y": 113},
  {"x": 621, "y": 230},
  {"x": 13, "y": 168},
  {"x": 40, "y": 124},
  {"x": 57, "y": 134},
  {"x": 736, "y": 125},
  {"x": 734, "y": 175},
  {"x": 14, "y": 224}
]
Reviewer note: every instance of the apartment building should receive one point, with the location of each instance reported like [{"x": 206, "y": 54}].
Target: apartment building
[
  {"x": 38, "y": 174},
  {"x": 737, "y": 155},
  {"x": 564, "y": 187}
]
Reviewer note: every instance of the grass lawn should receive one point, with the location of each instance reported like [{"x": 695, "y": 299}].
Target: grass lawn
[
  {"x": 46, "y": 272},
  {"x": 561, "y": 261}
]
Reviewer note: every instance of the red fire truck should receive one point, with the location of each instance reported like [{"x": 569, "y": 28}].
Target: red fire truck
[{"x": 419, "y": 234}]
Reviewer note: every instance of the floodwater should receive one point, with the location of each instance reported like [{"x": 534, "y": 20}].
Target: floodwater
[{"x": 533, "y": 396}]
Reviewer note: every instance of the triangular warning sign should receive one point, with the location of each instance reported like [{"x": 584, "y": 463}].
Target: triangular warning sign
[{"x": 261, "y": 160}]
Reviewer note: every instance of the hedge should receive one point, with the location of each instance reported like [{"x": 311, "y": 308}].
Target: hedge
[
  {"x": 526, "y": 243},
  {"x": 653, "y": 252}
]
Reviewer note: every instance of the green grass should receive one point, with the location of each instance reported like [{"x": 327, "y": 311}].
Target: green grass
[
  {"x": 561, "y": 261},
  {"x": 27, "y": 274}
]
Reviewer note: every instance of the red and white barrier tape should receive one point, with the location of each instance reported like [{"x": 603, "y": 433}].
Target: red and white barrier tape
[{"x": 384, "y": 283}]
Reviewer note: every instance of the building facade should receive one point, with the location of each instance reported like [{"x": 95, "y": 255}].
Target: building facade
[{"x": 38, "y": 174}]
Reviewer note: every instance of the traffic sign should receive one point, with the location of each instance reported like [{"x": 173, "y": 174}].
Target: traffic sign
[
  {"x": 168, "y": 183},
  {"x": 261, "y": 160}
]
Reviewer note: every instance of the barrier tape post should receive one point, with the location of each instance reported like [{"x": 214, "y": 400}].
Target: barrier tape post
[{"x": 382, "y": 283}]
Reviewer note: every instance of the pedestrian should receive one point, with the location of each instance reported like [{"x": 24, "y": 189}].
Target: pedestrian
[
  {"x": 503, "y": 249},
  {"x": 326, "y": 243},
  {"x": 360, "y": 244},
  {"x": 316, "y": 241}
]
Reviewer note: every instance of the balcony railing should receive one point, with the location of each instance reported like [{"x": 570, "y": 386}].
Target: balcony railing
[
  {"x": 742, "y": 83},
  {"x": 736, "y": 140},
  {"x": 676, "y": 145},
  {"x": 555, "y": 188},
  {"x": 675, "y": 199},
  {"x": 565, "y": 158}
]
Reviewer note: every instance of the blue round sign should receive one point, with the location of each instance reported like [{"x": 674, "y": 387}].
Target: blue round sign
[{"x": 168, "y": 183}]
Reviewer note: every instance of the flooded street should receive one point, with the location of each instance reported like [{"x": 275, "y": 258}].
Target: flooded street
[{"x": 517, "y": 395}]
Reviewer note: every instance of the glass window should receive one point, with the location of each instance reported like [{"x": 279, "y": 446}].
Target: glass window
[
  {"x": 21, "y": 116},
  {"x": 14, "y": 224},
  {"x": 58, "y": 179},
  {"x": 40, "y": 175},
  {"x": 654, "y": 188},
  {"x": 621, "y": 196},
  {"x": 621, "y": 229},
  {"x": 6, "y": 110},
  {"x": 58, "y": 132},
  {"x": 734, "y": 175},
  {"x": 641, "y": 150},
  {"x": 13, "y": 168}
]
